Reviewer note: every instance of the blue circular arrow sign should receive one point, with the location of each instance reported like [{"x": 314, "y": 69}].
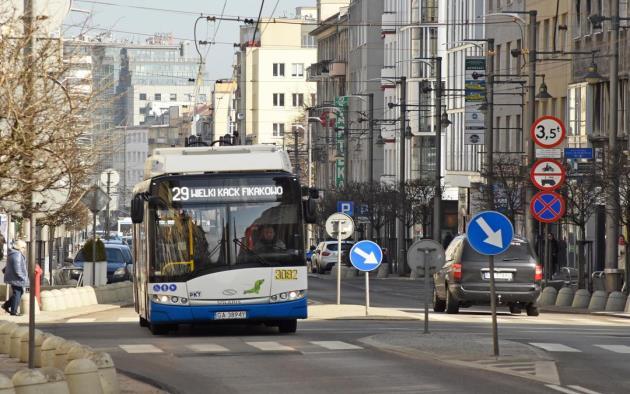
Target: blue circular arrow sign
[
  {"x": 490, "y": 233},
  {"x": 366, "y": 256}
]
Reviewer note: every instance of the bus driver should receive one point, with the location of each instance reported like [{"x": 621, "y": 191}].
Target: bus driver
[{"x": 268, "y": 241}]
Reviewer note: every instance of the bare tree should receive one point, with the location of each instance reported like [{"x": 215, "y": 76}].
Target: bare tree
[
  {"x": 45, "y": 102},
  {"x": 506, "y": 193},
  {"x": 583, "y": 195}
]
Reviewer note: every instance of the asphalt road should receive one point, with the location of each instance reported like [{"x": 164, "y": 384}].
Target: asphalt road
[{"x": 329, "y": 356}]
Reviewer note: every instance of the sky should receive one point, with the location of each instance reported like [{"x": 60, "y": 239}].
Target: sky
[{"x": 178, "y": 18}]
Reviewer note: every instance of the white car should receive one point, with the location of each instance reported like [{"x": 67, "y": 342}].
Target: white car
[{"x": 324, "y": 257}]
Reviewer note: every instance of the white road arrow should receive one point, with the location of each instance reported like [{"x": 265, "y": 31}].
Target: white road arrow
[
  {"x": 370, "y": 258},
  {"x": 494, "y": 237}
]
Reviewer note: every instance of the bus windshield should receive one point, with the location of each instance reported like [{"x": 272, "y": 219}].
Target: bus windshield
[{"x": 211, "y": 233}]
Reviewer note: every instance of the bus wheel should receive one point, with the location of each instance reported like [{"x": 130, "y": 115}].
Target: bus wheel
[
  {"x": 143, "y": 322},
  {"x": 287, "y": 326}
]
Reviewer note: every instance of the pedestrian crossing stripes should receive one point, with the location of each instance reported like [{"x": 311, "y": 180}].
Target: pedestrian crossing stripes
[
  {"x": 81, "y": 320},
  {"x": 554, "y": 347},
  {"x": 93, "y": 319},
  {"x": 140, "y": 349},
  {"x": 240, "y": 347},
  {"x": 572, "y": 389},
  {"x": 616, "y": 348}
]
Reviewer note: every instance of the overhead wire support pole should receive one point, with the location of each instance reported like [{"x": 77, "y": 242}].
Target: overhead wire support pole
[
  {"x": 612, "y": 222},
  {"x": 437, "y": 197},
  {"x": 401, "y": 233},
  {"x": 530, "y": 225}
]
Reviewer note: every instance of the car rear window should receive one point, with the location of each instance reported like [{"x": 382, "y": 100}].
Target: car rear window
[
  {"x": 344, "y": 246},
  {"x": 516, "y": 251},
  {"x": 114, "y": 255}
]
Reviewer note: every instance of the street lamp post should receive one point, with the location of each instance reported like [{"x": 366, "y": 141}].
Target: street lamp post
[{"x": 402, "y": 233}]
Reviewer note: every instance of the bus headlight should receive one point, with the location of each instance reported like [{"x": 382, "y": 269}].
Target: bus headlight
[
  {"x": 288, "y": 296},
  {"x": 174, "y": 299},
  {"x": 164, "y": 299},
  {"x": 184, "y": 300}
]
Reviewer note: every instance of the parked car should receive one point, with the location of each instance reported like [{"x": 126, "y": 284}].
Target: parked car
[
  {"x": 324, "y": 257},
  {"x": 119, "y": 262},
  {"x": 464, "y": 279}
]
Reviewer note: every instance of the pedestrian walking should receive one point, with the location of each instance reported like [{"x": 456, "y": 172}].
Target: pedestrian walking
[
  {"x": 3, "y": 241},
  {"x": 16, "y": 275}
]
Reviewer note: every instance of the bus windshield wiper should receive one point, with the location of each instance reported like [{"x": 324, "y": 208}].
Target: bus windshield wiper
[{"x": 248, "y": 249}]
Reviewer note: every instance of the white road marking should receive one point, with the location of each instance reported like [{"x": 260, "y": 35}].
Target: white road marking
[
  {"x": 336, "y": 345},
  {"x": 270, "y": 346},
  {"x": 127, "y": 320},
  {"x": 81, "y": 320},
  {"x": 555, "y": 347},
  {"x": 583, "y": 390},
  {"x": 616, "y": 348},
  {"x": 140, "y": 349},
  {"x": 561, "y": 389},
  {"x": 207, "y": 347}
]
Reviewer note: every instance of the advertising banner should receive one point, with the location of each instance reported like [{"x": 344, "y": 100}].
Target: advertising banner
[{"x": 475, "y": 96}]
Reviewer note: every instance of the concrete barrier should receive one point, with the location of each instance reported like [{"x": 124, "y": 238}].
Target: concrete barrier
[
  {"x": 16, "y": 337},
  {"x": 598, "y": 301},
  {"x": 91, "y": 295},
  {"x": 121, "y": 292},
  {"x": 627, "y": 309},
  {"x": 82, "y": 374},
  {"x": 23, "y": 356},
  {"x": 61, "y": 353},
  {"x": 383, "y": 271},
  {"x": 70, "y": 300},
  {"x": 6, "y": 329},
  {"x": 25, "y": 306},
  {"x": 6, "y": 385},
  {"x": 548, "y": 296},
  {"x": 616, "y": 302},
  {"x": 77, "y": 352},
  {"x": 49, "y": 348},
  {"x": 59, "y": 300},
  {"x": 565, "y": 297},
  {"x": 34, "y": 381},
  {"x": 106, "y": 372},
  {"x": 581, "y": 299},
  {"x": 49, "y": 302},
  {"x": 56, "y": 381}
]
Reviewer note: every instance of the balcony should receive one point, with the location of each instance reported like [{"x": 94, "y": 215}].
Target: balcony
[
  {"x": 318, "y": 71},
  {"x": 388, "y": 77},
  {"x": 337, "y": 69},
  {"x": 388, "y": 23}
]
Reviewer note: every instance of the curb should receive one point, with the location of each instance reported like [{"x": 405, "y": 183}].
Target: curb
[
  {"x": 578, "y": 311},
  {"x": 150, "y": 381}
]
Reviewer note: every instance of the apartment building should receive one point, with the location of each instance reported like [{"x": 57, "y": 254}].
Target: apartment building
[
  {"x": 224, "y": 108},
  {"x": 271, "y": 75}
]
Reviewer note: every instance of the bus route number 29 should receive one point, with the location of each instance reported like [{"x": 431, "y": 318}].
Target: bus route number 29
[{"x": 291, "y": 274}]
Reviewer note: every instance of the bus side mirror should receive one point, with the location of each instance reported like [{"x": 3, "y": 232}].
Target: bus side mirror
[
  {"x": 310, "y": 211},
  {"x": 137, "y": 209}
]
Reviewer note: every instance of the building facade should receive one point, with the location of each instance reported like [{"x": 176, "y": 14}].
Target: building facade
[
  {"x": 271, "y": 75},
  {"x": 224, "y": 108}
]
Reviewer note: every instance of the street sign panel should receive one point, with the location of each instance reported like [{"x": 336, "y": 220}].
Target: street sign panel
[
  {"x": 474, "y": 137},
  {"x": 346, "y": 207},
  {"x": 547, "y": 207},
  {"x": 490, "y": 233},
  {"x": 548, "y": 153},
  {"x": 366, "y": 256},
  {"x": 578, "y": 153},
  {"x": 339, "y": 225},
  {"x": 547, "y": 174},
  {"x": 427, "y": 249},
  {"x": 548, "y": 131}
]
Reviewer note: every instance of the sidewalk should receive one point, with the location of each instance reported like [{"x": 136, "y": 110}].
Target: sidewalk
[
  {"x": 579, "y": 311},
  {"x": 127, "y": 384}
]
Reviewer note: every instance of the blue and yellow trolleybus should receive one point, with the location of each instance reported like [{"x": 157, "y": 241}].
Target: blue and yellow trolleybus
[{"x": 219, "y": 235}]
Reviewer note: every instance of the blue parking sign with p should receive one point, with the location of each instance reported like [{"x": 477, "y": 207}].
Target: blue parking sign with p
[{"x": 346, "y": 207}]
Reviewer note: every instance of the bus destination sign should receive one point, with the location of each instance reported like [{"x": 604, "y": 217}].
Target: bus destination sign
[{"x": 265, "y": 192}]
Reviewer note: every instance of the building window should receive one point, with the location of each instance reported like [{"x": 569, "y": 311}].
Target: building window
[
  {"x": 143, "y": 110},
  {"x": 278, "y": 99},
  {"x": 173, "y": 97},
  {"x": 278, "y": 69},
  {"x": 297, "y": 70},
  {"x": 278, "y": 129},
  {"x": 308, "y": 41},
  {"x": 202, "y": 98},
  {"x": 298, "y": 99},
  {"x": 143, "y": 96},
  {"x": 158, "y": 97}
]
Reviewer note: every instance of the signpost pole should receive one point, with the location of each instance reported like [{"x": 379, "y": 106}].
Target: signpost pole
[
  {"x": 367, "y": 293},
  {"x": 339, "y": 263},
  {"x": 425, "y": 263},
  {"x": 493, "y": 307}
]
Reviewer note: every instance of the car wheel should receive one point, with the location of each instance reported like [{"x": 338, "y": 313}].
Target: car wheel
[
  {"x": 287, "y": 326},
  {"x": 438, "y": 304},
  {"x": 320, "y": 270},
  {"x": 452, "y": 305},
  {"x": 532, "y": 310},
  {"x": 515, "y": 309}
]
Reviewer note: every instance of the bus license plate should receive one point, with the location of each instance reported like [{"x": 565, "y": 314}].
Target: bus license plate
[{"x": 230, "y": 315}]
